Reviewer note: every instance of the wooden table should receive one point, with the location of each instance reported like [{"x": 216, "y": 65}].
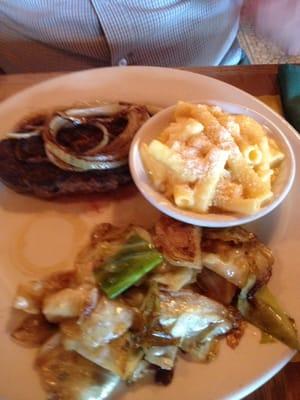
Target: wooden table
[{"x": 257, "y": 80}]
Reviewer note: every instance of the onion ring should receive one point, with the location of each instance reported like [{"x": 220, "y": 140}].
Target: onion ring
[{"x": 106, "y": 154}]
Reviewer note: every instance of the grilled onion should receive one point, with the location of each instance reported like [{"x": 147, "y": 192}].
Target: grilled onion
[
  {"x": 23, "y": 135},
  {"x": 28, "y": 127},
  {"x": 109, "y": 152}
]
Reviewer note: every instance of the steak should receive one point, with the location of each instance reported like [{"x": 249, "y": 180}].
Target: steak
[
  {"x": 25, "y": 167},
  {"x": 46, "y": 180}
]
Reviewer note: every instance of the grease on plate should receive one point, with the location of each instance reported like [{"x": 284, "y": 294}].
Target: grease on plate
[{"x": 47, "y": 242}]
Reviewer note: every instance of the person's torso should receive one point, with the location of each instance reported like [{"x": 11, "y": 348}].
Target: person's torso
[{"x": 148, "y": 32}]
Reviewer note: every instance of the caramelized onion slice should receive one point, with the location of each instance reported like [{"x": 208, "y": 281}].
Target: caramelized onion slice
[
  {"x": 29, "y": 127},
  {"x": 103, "y": 110},
  {"x": 23, "y": 135},
  {"x": 107, "y": 154}
]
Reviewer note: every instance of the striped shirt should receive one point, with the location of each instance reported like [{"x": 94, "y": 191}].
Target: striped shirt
[{"x": 49, "y": 35}]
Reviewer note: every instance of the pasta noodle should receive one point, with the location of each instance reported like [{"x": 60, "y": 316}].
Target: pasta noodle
[
  {"x": 208, "y": 158},
  {"x": 206, "y": 187},
  {"x": 252, "y": 154},
  {"x": 157, "y": 170},
  {"x": 276, "y": 156},
  {"x": 183, "y": 196},
  {"x": 241, "y": 206}
]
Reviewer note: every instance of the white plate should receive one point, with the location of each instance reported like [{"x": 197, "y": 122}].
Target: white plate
[
  {"x": 160, "y": 121},
  {"x": 38, "y": 236}
]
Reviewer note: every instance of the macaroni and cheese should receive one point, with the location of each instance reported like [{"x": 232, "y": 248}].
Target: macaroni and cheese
[{"x": 208, "y": 160}]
